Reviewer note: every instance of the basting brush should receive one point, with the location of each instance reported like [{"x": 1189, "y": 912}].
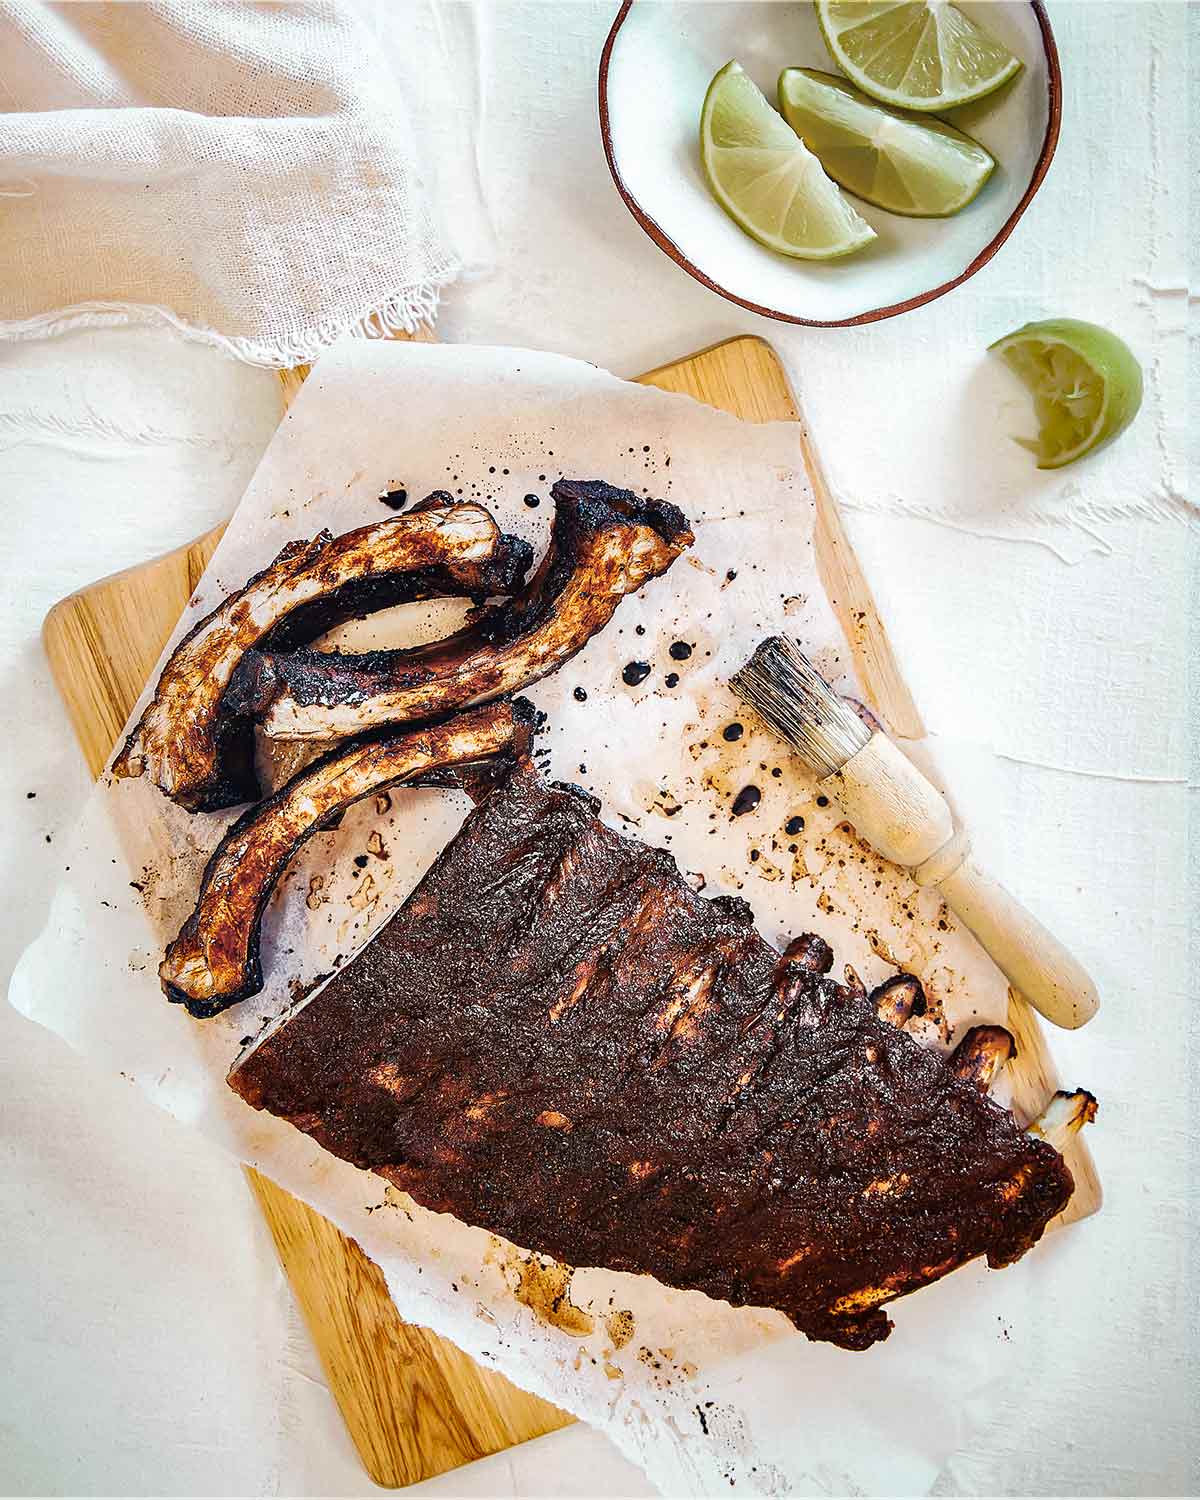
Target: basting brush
[{"x": 908, "y": 821}]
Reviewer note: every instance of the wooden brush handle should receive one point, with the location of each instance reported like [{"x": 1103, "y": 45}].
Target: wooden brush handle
[
  {"x": 904, "y": 816},
  {"x": 1049, "y": 977}
]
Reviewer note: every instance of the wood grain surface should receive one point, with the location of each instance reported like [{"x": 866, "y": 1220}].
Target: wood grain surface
[{"x": 414, "y": 1404}]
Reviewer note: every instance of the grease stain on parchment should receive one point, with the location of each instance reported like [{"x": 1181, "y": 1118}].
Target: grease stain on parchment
[
  {"x": 394, "y": 1197},
  {"x": 365, "y": 894},
  {"x": 803, "y": 847},
  {"x": 543, "y": 1286},
  {"x": 665, "y": 1371},
  {"x": 621, "y": 1326}
]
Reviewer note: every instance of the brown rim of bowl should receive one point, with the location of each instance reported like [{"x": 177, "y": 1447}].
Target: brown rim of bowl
[{"x": 668, "y": 245}]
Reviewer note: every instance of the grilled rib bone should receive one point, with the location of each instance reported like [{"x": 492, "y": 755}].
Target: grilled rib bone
[
  {"x": 899, "y": 998},
  {"x": 981, "y": 1054},
  {"x": 214, "y": 961},
  {"x": 192, "y": 744},
  {"x": 1064, "y": 1116},
  {"x": 605, "y": 543}
]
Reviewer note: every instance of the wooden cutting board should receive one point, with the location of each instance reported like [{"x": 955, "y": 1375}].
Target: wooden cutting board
[{"x": 414, "y": 1404}]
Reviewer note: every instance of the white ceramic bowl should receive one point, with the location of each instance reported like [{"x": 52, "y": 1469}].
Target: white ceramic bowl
[{"x": 656, "y": 65}]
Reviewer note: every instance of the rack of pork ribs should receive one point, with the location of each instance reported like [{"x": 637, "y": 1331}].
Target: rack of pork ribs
[{"x": 635, "y": 1078}]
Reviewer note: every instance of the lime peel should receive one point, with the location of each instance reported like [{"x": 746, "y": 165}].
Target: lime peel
[{"x": 1085, "y": 381}]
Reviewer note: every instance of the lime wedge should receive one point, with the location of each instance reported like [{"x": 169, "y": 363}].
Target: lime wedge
[
  {"x": 767, "y": 180},
  {"x": 920, "y": 167},
  {"x": 915, "y": 54},
  {"x": 1086, "y": 386}
]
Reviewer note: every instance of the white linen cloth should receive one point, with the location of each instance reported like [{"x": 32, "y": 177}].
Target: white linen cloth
[{"x": 244, "y": 172}]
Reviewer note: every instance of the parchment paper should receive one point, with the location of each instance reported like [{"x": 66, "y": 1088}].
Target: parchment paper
[{"x": 702, "y": 1396}]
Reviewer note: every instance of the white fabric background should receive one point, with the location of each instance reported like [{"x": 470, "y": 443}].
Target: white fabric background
[
  {"x": 242, "y": 172},
  {"x": 1053, "y": 652}
]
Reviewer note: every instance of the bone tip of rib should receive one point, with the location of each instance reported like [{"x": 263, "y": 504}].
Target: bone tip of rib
[
  {"x": 808, "y": 951},
  {"x": 982, "y": 1053},
  {"x": 189, "y": 974},
  {"x": 1066, "y": 1114},
  {"x": 899, "y": 999},
  {"x": 852, "y": 983}
]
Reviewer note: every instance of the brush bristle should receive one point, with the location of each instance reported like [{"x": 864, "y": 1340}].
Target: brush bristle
[{"x": 785, "y": 689}]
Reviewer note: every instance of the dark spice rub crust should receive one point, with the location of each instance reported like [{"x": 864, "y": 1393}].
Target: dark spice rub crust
[
  {"x": 605, "y": 543},
  {"x": 558, "y": 1040}
]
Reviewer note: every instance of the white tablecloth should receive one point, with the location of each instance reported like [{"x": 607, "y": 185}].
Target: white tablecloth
[{"x": 1046, "y": 635}]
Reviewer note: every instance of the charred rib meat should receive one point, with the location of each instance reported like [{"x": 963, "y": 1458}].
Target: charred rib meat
[
  {"x": 636, "y": 1079},
  {"x": 214, "y": 961},
  {"x": 192, "y": 744},
  {"x": 606, "y": 543}
]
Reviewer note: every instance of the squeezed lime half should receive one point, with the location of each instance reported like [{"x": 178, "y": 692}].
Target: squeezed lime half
[{"x": 1085, "y": 381}]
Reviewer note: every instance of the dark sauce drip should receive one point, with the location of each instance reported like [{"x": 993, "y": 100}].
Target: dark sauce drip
[
  {"x": 733, "y": 732},
  {"x": 635, "y": 672},
  {"x": 746, "y": 800},
  {"x": 680, "y": 650}
]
